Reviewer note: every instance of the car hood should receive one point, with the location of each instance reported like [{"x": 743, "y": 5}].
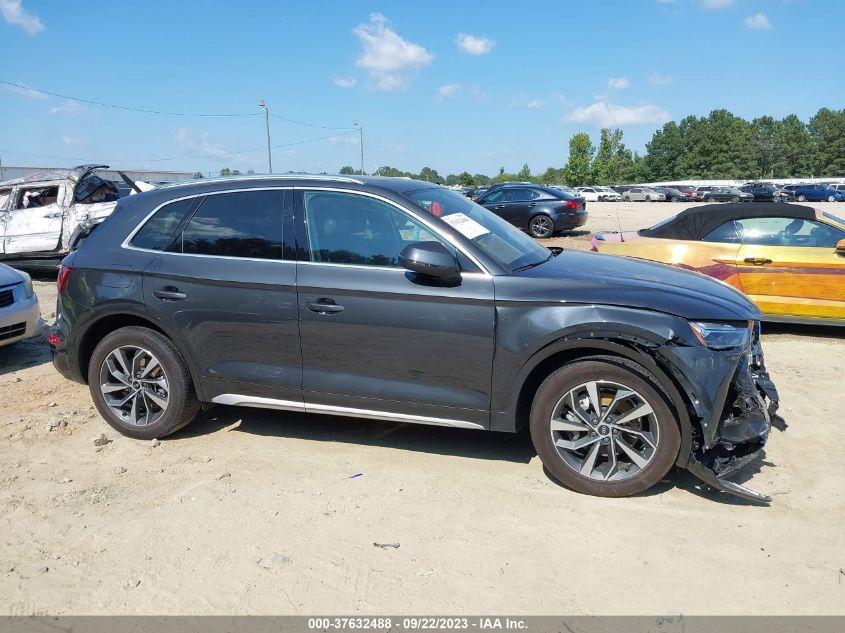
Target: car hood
[
  {"x": 585, "y": 277},
  {"x": 9, "y": 276}
]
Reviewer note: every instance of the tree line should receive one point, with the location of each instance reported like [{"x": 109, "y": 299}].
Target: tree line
[{"x": 718, "y": 146}]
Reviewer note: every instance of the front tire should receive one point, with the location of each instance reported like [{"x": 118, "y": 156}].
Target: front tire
[
  {"x": 802, "y": 198},
  {"x": 541, "y": 227},
  {"x": 140, "y": 384},
  {"x": 831, "y": 198},
  {"x": 711, "y": 199},
  {"x": 603, "y": 427}
]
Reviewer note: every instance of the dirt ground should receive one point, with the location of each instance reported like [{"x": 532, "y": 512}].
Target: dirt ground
[{"x": 251, "y": 511}]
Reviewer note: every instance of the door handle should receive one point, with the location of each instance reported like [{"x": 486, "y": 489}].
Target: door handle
[
  {"x": 757, "y": 261},
  {"x": 324, "y": 306},
  {"x": 532, "y": 204},
  {"x": 169, "y": 293},
  {"x": 53, "y": 216},
  {"x": 499, "y": 206}
]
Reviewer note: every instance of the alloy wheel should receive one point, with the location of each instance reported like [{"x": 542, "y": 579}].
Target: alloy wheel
[
  {"x": 604, "y": 431},
  {"x": 541, "y": 226},
  {"x": 134, "y": 385}
]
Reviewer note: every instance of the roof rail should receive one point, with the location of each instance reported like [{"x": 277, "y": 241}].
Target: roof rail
[{"x": 239, "y": 177}]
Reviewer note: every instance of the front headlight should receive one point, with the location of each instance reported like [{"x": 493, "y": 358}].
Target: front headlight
[
  {"x": 719, "y": 336},
  {"x": 27, "y": 285}
]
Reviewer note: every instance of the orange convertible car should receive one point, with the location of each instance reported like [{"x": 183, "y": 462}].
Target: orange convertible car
[{"x": 789, "y": 259}]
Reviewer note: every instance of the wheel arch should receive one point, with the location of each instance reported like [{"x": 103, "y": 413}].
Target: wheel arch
[
  {"x": 105, "y": 324},
  {"x": 563, "y": 352}
]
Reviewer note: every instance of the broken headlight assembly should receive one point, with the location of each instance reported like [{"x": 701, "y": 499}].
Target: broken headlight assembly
[{"x": 721, "y": 336}]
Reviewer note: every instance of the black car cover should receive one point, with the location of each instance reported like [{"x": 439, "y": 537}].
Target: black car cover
[{"x": 697, "y": 222}]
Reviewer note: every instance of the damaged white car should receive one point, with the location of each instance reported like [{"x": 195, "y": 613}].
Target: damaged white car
[{"x": 45, "y": 216}]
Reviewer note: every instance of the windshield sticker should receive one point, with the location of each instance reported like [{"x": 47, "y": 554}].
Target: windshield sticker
[{"x": 464, "y": 225}]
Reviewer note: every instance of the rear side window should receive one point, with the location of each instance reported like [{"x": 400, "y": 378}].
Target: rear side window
[
  {"x": 156, "y": 233},
  {"x": 239, "y": 224}
]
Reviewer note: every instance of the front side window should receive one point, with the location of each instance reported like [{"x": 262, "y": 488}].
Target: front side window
[
  {"x": 345, "y": 228},
  {"x": 239, "y": 224},
  {"x": 504, "y": 244},
  {"x": 788, "y": 232},
  {"x": 725, "y": 234},
  {"x": 4, "y": 199}
]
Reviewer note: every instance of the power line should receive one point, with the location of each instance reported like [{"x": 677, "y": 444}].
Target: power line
[
  {"x": 122, "y": 107},
  {"x": 323, "y": 127},
  {"x": 155, "y": 160},
  {"x": 163, "y": 112}
]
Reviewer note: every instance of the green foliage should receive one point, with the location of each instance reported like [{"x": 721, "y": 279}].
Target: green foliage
[
  {"x": 346, "y": 170},
  {"x": 198, "y": 174},
  {"x": 827, "y": 129},
  {"x": 225, "y": 172},
  {"x": 578, "y": 170},
  {"x": 720, "y": 145}
]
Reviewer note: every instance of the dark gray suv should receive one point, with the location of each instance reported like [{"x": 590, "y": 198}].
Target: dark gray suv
[{"x": 398, "y": 300}]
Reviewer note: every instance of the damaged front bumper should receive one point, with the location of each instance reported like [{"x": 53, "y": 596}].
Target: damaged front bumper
[{"x": 743, "y": 426}]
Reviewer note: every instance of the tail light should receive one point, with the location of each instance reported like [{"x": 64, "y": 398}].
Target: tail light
[
  {"x": 64, "y": 276},
  {"x": 572, "y": 204}
]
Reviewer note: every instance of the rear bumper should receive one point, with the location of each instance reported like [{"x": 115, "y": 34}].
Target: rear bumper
[
  {"x": 568, "y": 221},
  {"x": 63, "y": 361},
  {"x": 21, "y": 320}
]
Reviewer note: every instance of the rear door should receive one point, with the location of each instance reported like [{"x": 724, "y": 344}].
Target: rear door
[
  {"x": 790, "y": 267},
  {"x": 377, "y": 340},
  {"x": 225, "y": 283},
  {"x": 34, "y": 224}
]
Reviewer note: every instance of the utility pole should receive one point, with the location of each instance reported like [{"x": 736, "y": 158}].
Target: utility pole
[
  {"x": 263, "y": 105},
  {"x": 1, "y": 170},
  {"x": 360, "y": 127}
]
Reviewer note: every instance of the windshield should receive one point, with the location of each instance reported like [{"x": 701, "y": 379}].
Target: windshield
[{"x": 504, "y": 244}]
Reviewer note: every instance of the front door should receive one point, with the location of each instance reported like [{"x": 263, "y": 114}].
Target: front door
[
  {"x": 224, "y": 285},
  {"x": 790, "y": 267},
  {"x": 499, "y": 202},
  {"x": 34, "y": 224},
  {"x": 377, "y": 340}
]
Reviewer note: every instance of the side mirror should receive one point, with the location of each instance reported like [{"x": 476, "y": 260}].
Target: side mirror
[
  {"x": 840, "y": 247},
  {"x": 431, "y": 259}
]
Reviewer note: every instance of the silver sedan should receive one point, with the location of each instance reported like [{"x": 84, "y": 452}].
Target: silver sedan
[
  {"x": 643, "y": 194},
  {"x": 19, "y": 312}
]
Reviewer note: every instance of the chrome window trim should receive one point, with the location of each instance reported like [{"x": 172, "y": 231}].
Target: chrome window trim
[
  {"x": 434, "y": 229},
  {"x": 310, "y": 407},
  {"x": 126, "y": 242}
]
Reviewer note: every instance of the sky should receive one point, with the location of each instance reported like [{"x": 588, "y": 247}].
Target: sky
[{"x": 453, "y": 85}]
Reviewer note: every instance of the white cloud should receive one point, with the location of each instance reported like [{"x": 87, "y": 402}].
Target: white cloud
[
  {"x": 201, "y": 143},
  {"x": 758, "y": 22},
  {"x": 345, "y": 82},
  {"x": 387, "y": 56},
  {"x": 560, "y": 97},
  {"x": 603, "y": 113},
  {"x": 473, "y": 44},
  {"x": 72, "y": 141},
  {"x": 618, "y": 83},
  {"x": 70, "y": 108},
  {"x": 715, "y": 5},
  {"x": 529, "y": 104},
  {"x": 14, "y": 13},
  {"x": 659, "y": 79},
  {"x": 345, "y": 139},
  {"x": 26, "y": 93},
  {"x": 447, "y": 90}
]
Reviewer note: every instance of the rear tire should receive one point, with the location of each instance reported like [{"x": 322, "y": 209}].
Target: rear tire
[
  {"x": 645, "y": 447},
  {"x": 802, "y": 198},
  {"x": 735, "y": 199},
  {"x": 831, "y": 198},
  {"x": 157, "y": 374},
  {"x": 711, "y": 199},
  {"x": 541, "y": 227}
]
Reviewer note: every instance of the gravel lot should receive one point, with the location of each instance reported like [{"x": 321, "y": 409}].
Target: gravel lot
[{"x": 250, "y": 511}]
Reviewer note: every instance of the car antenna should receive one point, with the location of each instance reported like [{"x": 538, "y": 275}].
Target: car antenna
[{"x": 619, "y": 224}]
